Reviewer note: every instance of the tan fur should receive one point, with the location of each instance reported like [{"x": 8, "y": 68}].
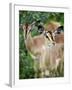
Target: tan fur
[
  {"x": 52, "y": 26},
  {"x": 59, "y": 38},
  {"x": 36, "y": 46},
  {"x": 45, "y": 57},
  {"x": 54, "y": 54}
]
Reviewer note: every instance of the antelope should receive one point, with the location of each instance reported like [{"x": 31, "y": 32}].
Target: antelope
[
  {"x": 36, "y": 46},
  {"x": 55, "y": 28},
  {"x": 56, "y": 31},
  {"x": 46, "y": 55}
]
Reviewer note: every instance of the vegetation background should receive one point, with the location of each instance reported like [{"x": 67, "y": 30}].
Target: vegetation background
[{"x": 25, "y": 61}]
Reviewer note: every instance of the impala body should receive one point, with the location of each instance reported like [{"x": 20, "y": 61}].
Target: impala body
[{"x": 46, "y": 55}]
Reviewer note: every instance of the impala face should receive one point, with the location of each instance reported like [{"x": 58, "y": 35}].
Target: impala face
[
  {"x": 50, "y": 37},
  {"x": 27, "y": 29}
]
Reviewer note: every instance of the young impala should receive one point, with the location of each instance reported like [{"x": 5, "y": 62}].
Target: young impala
[
  {"x": 55, "y": 28},
  {"x": 36, "y": 46},
  {"x": 46, "y": 55}
]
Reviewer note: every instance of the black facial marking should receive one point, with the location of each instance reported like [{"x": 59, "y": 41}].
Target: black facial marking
[
  {"x": 26, "y": 29},
  {"x": 51, "y": 35},
  {"x": 47, "y": 37}
]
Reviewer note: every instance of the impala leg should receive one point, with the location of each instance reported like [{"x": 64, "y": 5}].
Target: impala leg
[{"x": 42, "y": 64}]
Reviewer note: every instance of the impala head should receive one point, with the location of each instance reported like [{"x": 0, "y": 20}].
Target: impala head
[
  {"x": 26, "y": 29},
  {"x": 49, "y": 36}
]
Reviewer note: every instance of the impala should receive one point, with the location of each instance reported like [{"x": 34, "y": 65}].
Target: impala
[
  {"x": 56, "y": 30},
  {"x": 46, "y": 55},
  {"x": 36, "y": 46}
]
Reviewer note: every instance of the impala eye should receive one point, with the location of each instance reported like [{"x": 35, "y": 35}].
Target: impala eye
[{"x": 47, "y": 37}]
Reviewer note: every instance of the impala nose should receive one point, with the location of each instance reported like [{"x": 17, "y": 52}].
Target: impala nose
[{"x": 53, "y": 43}]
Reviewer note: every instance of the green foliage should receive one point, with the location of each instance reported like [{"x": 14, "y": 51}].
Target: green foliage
[
  {"x": 26, "y": 63},
  {"x": 30, "y": 16}
]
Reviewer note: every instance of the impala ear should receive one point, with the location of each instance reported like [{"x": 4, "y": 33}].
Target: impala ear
[
  {"x": 40, "y": 29},
  {"x": 60, "y": 28}
]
